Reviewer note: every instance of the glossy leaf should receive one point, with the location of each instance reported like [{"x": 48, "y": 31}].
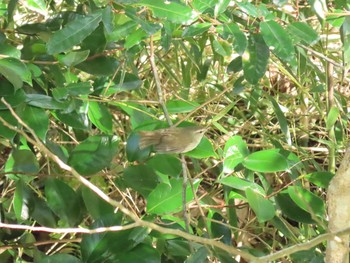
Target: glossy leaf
[
  {"x": 291, "y": 210},
  {"x": 239, "y": 40},
  {"x": 332, "y": 117},
  {"x": 168, "y": 198},
  {"x": 241, "y": 184},
  {"x": 133, "y": 152},
  {"x": 59, "y": 258},
  {"x": 73, "y": 33},
  {"x": 37, "y": 119},
  {"x": 307, "y": 200},
  {"x": 73, "y": 58},
  {"x": 43, "y": 101},
  {"x": 204, "y": 150},
  {"x": 100, "y": 116},
  {"x": 196, "y": 29},
  {"x": 22, "y": 201},
  {"x": 262, "y": 207},
  {"x": 180, "y": 106},
  {"x": 15, "y": 71},
  {"x": 6, "y": 132},
  {"x": 221, "y": 48},
  {"x": 278, "y": 40},
  {"x": 64, "y": 201},
  {"x": 22, "y": 160},
  {"x": 93, "y": 154},
  {"x": 202, "y": 6},
  {"x": 165, "y": 165},
  {"x": 173, "y": 11},
  {"x": 234, "y": 153},
  {"x": 255, "y": 59},
  {"x": 266, "y": 161},
  {"x": 141, "y": 178},
  {"x": 345, "y": 37},
  {"x": 321, "y": 179},
  {"x": 125, "y": 82},
  {"x": 100, "y": 66},
  {"x": 220, "y": 231},
  {"x": 96, "y": 207},
  {"x": 282, "y": 120},
  {"x": 302, "y": 32},
  {"x": 73, "y": 119}
]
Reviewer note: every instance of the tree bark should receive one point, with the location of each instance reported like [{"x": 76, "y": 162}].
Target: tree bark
[{"x": 338, "y": 199}]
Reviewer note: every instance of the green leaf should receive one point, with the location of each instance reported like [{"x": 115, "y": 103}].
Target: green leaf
[
  {"x": 345, "y": 38},
  {"x": 204, "y": 150},
  {"x": 22, "y": 201},
  {"x": 43, "y": 101},
  {"x": 100, "y": 116},
  {"x": 168, "y": 198},
  {"x": 134, "y": 38},
  {"x": 203, "y": 5},
  {"x": 307, "y": 200},
  {"x": 234, "y": 153},
  {"x": 143, "y": 253},
  {"x": 320, "y": 8},
  {"x": 74, "y": 119},
  {"x": 99, "y": 66},
  {"x": 73, "y": 58},
  {"x": 321, "y": 179},
  {"x": 302, "y": 32},
  {"x": 278, "y": 40},
  {"x": 22, "y": 160},
  {"x": 141, "y": 178},
  {"x": 165, "y": 165},
  {"x": 38, "y": 6},
  {"x": 199, "y": 256},
  {"x": 59, "y": 258},
  {"x": 235, "y": 65},
  {"x": 291, "y": 210},
  {"x": 240, "y": 41},
  {"x": 241, "y": 184},
  {"x": 282, "y": 120},
  {"x": 93, "y": 154},
  {"x": 221, "y": 48},
  {"x": 266, "y": 161},
  {"x": 37, "y": 119},
  {"x": 255, "y": 59},
  {"x": 73, "y": 33},
  {"x": 64, "y": 201},
  {"x": 220, "y": 231},
  {"x": 332, "y": 117},
  {"x": 122, "y": 31},
  {"x": 172, "y": 11},
  {"x": 4, "y": 131},
  {"x": 15, "y": 71},
  {"x": 124, "y": 82},
  {"x": 96, "y": 207},
  {"x": 262, "y": 207},
  {"x": 133, "y": 152},
  {"x": 73, "y": 89},
  {"x": 196, "y": 29},
  {"x": 180, "y": 106}
]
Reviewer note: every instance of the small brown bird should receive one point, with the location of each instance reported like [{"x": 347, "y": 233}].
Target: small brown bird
[{"x": 172, "y": 140}]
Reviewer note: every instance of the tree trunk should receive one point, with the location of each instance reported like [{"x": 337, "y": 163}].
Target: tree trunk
[{"x": 339, "y": 212}]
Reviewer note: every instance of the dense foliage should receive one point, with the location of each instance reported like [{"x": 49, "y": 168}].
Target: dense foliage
[{"x": 78, "y": 79}]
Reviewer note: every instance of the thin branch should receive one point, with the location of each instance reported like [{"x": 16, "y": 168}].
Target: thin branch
[
  {"x": 158, "y": 85},
  {"x": 68, "y": 230},
  {"x": 320, "y": 55}
]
